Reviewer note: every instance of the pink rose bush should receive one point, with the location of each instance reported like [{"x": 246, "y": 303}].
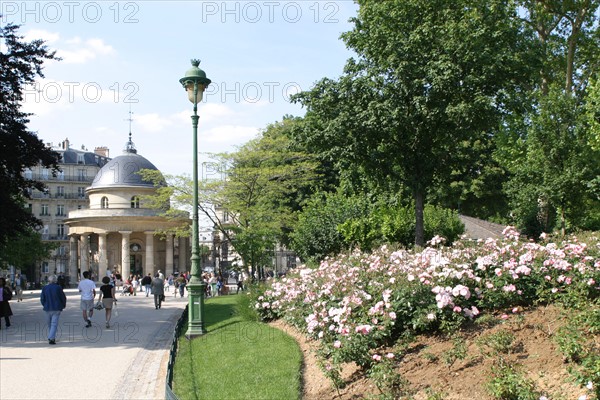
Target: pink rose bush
[{"x": 356, "y": 303}]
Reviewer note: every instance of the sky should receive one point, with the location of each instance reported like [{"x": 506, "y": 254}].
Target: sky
[{"x": 122, "y": 56}]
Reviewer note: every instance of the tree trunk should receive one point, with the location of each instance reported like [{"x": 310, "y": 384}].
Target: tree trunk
[{"x": 419, "y": 224}]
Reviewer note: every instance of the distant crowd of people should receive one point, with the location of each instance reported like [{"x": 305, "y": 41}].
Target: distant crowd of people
[{"x": 54, "y": 301}]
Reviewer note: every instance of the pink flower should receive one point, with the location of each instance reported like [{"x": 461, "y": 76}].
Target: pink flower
[
  {"x": 337, "y": 344},
  {"x": 515, "y": 310},
  {"x": 431, "y": 316},
  {"x": 457, "y": 309},
  {"x": 376, "y": 357},
  {"x": 390, "y": 355},
  {"x": 509, "y": 288},
  {"x": 504, "y": 316},
  {"x": 392, "y": 315},
  {"x": 364, "y": 329}
]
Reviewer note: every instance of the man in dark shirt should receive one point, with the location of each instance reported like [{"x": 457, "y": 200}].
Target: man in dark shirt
[
  {"x": 54, "y": 301},
  {"x": 147, "y": 283}
]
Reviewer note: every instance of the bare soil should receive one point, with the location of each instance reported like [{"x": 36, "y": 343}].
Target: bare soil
[{"x": 424, "y": 365}]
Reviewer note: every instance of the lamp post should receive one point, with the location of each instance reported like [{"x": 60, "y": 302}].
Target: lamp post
[{"x": 194, "y": 82}]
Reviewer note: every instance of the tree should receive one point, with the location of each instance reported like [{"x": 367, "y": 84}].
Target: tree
[
  {"x": 553, "y": 163},
  {"x": 20, "y": 63},
  {"x": 25, "y": 249},
  {"x": 254, "y": 202},
  {"x": 429, "y": 75},
  {"x": 316, "y": 234}
]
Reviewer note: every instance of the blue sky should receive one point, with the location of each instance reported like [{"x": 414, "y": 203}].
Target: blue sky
[{"x": 122, "y": 54}]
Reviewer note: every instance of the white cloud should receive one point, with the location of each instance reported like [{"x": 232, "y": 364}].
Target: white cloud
[
  {"x": 80, "y": 51},
  {"x": 152, "y": 122},
  {"x": 48, "y": 37}
]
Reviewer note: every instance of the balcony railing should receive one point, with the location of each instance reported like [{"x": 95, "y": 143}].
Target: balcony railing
[
  {"x": 67, "y": 196},
  {"x": 46, "y": 236},
  {"x": 64, "y": 178}
]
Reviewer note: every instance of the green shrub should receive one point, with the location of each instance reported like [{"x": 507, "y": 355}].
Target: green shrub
[
  {"x": 387, "y": 224},
  {"x": 508, "y": 383}
]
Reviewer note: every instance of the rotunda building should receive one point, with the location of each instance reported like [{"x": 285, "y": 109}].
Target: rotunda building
[{"x": 118, "y": 232}]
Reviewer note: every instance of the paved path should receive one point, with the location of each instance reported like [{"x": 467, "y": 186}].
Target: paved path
[
  {"x": 479, "y": 229},
  {"x": 126, "y": 361}
]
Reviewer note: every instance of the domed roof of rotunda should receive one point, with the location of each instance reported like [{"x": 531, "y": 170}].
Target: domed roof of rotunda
[{"x": 123, "y": 170}]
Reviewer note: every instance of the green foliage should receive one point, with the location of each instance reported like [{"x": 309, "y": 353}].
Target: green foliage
[
  {"x": 25, "y": 250},
  {"x": 396, "y": 225},
  {"x": 316, "y": 234},
  {"x": 551, "y": 156},
  {"x": 428, "y": 75},
  {"x": 500, "y": 342},
  {"x": 457, "y": 352},
  {"x": 20, "y": 65},
  {"x": 244, "y": 307},
  {"x": 508, "y": 383},
  {"x": 593, "y": 111},
  {"x": 577, "y": 341},
  {"x": 391, "y": 384}
]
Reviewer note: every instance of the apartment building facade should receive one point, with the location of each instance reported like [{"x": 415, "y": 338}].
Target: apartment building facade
[{"x": 65, "y": 192}]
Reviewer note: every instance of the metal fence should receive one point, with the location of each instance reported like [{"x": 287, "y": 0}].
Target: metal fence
[{"x": 181, "y": 323}]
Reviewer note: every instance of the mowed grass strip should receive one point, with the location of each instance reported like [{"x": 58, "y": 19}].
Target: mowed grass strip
[{"x": 237, "y": 359}]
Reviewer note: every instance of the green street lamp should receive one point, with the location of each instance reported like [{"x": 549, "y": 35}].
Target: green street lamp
[{"x": 194, "y": 82}]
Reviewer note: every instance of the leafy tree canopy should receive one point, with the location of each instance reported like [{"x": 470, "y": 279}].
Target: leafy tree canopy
[{"x": 20, "y": 63}]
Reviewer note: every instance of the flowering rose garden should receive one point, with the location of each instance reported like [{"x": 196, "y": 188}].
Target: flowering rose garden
[{"x": 358, "y": 306}]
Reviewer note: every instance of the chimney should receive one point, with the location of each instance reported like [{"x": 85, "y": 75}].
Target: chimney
[
  {"x": 65, "y": 144},
  {"x": 102, "y": 151}
]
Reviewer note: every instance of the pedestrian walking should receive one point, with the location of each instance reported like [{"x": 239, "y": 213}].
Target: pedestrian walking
[
  {"x": 134, "y": 284},
  {"x": 158, "y": 290},
  {"x": 212, "y": 282},
  {"x": 53, "y": 300},
  {"x": 180, "y": 283},
  {"x": 240, "y": 281},
  {"x": 147, "y": 283},
  {"x": 19, "y": 286},
  {"x": 5, "y": 296},
  {"x": 87, "y": 288},
  {"x": 107, "y": 296}
]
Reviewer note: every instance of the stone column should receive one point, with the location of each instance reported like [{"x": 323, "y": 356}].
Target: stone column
[
  {"x": 73, "y": 260},
  {"x": 149, "y": 267},
  {"x": 125, "y": 259},
  {"x": 102, "y": 256},
  {"x": 169, "y": 255},
  {"x": 183, "y": 255},
  {"x": 84, "y": 253}
]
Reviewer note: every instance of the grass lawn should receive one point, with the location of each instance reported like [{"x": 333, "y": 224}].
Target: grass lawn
[{"x": 236, "y": 359}]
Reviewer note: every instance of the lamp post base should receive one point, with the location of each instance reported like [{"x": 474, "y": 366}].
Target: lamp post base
[{"x": 196, "y": 310}]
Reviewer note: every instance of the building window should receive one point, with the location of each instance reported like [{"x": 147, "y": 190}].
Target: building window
[
  {"x": 135, "y": 202},
  {"x": 61, "y": 175},
  {"x": 30, "y": 207},
  {"x": 60, "y": 191},
  {"x": 79, "y": 158},
  {"x": 44, "y": 210},
  {"x": 104, "y": 202},
  {"x": 81, "y": 192},
  {"x": 44, "y": 173},
  {"x": 60, "y": 210},
  {"x": 45, "y": 267},
  {"x": 60, "y": 230},
  {"x": 28, "y": 173},
  {"x": 81, "y": 174}
]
